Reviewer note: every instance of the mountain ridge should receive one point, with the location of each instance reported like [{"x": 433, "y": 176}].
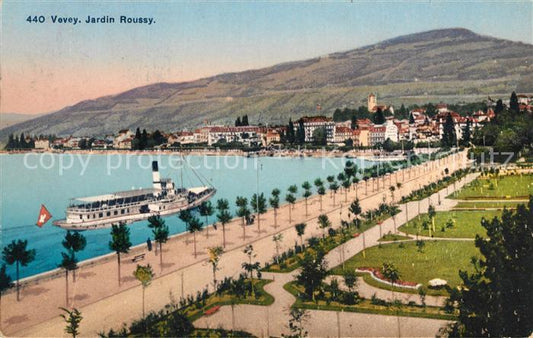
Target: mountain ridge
[{"x": 430, "y": 65}]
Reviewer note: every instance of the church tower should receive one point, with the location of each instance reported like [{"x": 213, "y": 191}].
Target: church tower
[{"x": 372, "y": 101}]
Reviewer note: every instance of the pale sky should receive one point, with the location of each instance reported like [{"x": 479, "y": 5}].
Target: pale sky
[{"x": 47, "y": 66}]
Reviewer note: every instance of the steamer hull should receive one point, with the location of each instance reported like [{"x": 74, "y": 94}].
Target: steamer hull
[{"x": 98, "y": 212}]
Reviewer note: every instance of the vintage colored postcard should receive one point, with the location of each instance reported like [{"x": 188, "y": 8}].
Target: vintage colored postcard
[{"x": 266, "y": 168}]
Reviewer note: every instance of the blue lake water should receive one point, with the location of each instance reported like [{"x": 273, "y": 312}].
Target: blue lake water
[{"x": 27, "y": 181}]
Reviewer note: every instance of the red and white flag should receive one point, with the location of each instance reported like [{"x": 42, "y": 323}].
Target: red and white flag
[{"x": 44, "y": 216}]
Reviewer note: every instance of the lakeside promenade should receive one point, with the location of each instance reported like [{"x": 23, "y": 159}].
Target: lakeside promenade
[
  {"x": 105, "y": 305},
  {"x": 273, "y": 319}
]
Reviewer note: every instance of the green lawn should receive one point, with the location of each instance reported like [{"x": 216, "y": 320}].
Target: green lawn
[
  {"x": 219, "y": 333},
  {"x": 467, "y": 223},
  {"x": 487, "y": 205},
  {"x": 261, "y": 298},
  {"x": 506, "y": 187},
  {"x": 439, "y": 259},
  {"x": 288, "y": 265},
  {"x": 366, "y": 306}
]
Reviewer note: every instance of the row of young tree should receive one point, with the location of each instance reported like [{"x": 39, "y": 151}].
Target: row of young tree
[
  {"x": 313, "y": 266},
  {"x": 75, "y": 242},
  {"x": 173, "y": 320},
  {"x": 258, "y": 202},
  {"x": 258, "y": 205}
]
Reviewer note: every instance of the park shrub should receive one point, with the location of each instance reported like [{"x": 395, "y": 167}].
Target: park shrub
[
  {"x": 376, "y": 301},
  {"x": 164, "y": 323},
  {"x": 350, "y": 298},
  {"x": 449, "y": 224},
  {"x": 334, "y": 290},
  {"x": 313, "y": 241},
  {"x": 420, "y": 245}
]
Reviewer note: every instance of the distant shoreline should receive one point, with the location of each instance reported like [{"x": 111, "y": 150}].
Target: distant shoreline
[{"x": 369, "y": 154}]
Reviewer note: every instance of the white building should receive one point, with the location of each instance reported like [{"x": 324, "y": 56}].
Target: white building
[
  {"x": 123, "y": 139},
  {"x": 42, "y": 143},
  {"x": 403, "y": 129},
  {"x": 182, "y": 137},
  {"x": 123, "y": 143},
  {"x": 442, "y": 108},
  {"x": 342, "y": 134},
  {"x": 376, "y": 134},
  {"x": 201, "y": 135},
  {"x": 73, "y": 143},
  {"x": 312, "y": 123},
  {"x": 523, "y": 99},
  {"x": 459, "y": 123},
  {"x": 391, "y": 130},
  {"x": 247, "y": 135}
]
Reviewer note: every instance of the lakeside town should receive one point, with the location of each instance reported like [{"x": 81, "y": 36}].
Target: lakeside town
[
  {"x": 330, "y": 251},
  {"x": 381, "y": 128}
]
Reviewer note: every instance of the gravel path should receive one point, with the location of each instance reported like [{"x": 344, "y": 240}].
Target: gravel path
[
  {"x": 366, "y": 290},
  {"x": 273, "y": 320}
]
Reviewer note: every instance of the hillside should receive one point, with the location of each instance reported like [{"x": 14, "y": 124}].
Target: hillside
[
  {"x": 448, "y": 64},
  {"x": 8, "y": 119}
]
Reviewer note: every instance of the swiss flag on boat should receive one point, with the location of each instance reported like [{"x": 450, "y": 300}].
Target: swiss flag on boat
[{"x": 44, "y": 216}]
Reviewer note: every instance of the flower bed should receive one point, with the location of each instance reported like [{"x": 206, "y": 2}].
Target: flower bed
[
  {"x": 211, "y": 310},
  {"x": 377, "y": 275}
]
